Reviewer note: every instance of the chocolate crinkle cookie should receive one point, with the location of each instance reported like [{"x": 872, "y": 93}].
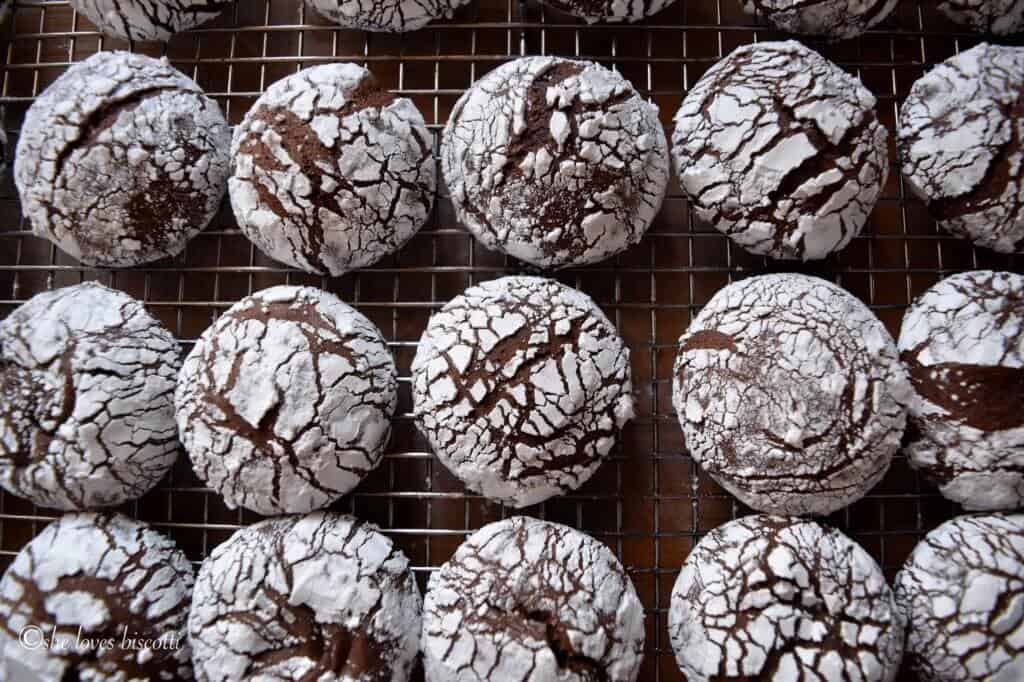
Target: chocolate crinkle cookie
[
  {"x": 97, "y": 597},
  {"x": 962, "y": 591},
  {"x": 611, "y": 11},
  {"x": 555, "y": 162},
  {"x": 778, "y": 599},
  {"x": 960, "y": 145},
  {"x": 790, "y": 394},
  {"x": 389, "y": 16},
  {"x": 121, "y": 160},
  {"x": 322, "y": 597},
  {"x": 999, "y": 17},
  {"x": 780, "y": 149},
  {"x": 148, "y": 19},
  {"x": 962, "y": 342},
  {"x": 521, "y": 385},
  {"x": 87, "y": 415},
  {"x": 331, "y": 173},
  {"x": 831, "y": 19},
  {"x": 285, "y": 403},
  {"x": 524, "y": 600}
]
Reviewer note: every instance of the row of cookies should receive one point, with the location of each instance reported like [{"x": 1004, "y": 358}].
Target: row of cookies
[{"x": 555, "y": 162}]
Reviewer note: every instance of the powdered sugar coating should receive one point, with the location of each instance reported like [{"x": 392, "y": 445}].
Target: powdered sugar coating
[
  {"x": 790, "y": 394},
  {"x": 780, "y": 149},
  {"x": 832, "y": 19},
  {"x": 521, "y": 385},
  {"x": 322, "y": 597},
  {"x": 611, "y": 11},
  {"x": 960, "y": 144},
  {"x": 962, "y": 591},
  {"x": 555, "y": 162},
  {"x": 148, "y": 19},
  {"x": 779, "y": 599},
  {"x": 962, "y": 342},
  {"x": 87, "y": 416},
  {"x": 999, "y": 17},
  {"x": 285, "y": 403},
  {"x": 390, "y": 16},
  {"x": 524, "y": 600},
  {"x": 90, "y": 578},
  {"x": 121, "y": 160},
  {"x": 331, "y": 173}
]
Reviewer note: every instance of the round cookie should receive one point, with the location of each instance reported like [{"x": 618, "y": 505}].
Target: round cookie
[
  {"x": 780, "y": 149},
  {"x": 524, "y": 600},
  {"x": 121, "y": 160},
  {"x": 999, "y": 17},
  {"x": 87, "y": 416},
  {"x": 316, "y": 597},
  {"x": 790, "y": 394},
  {"x": 962, "y": 342},
  {"x": 960, "y": 145},
  {"x": 555, "y": 162},
  {"x": 777, "y": 599},
  {"x": 521, "y": 385},
  {"x": 962, "y": 591},
  {"x": 331, "y": 173},
  {"x": 285, "y": 403},
  {"x": 831, "y": 19},
  {"x": 148, "y": 19},
  {"x": 97, "y": 597},
  {"x": 611, "y": 11},
  {"x": 390, "y": 16}
]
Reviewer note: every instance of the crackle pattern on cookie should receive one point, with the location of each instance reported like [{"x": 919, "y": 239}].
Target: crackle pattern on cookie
[
  {"x": 832, "y": 19},
  {"x": 999, "y": 17},
  {"x": 389, "y": 16},
  {"x": 610, "y": 11},
  {"x": 148, "y": 19}
]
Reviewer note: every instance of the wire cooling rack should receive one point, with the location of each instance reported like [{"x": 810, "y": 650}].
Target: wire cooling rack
[{"x": 649, "y": 503}]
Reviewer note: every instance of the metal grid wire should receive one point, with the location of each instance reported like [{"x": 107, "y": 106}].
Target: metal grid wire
[{"x": 649, "y": 503}]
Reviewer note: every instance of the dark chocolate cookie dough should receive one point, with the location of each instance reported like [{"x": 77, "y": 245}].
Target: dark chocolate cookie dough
[
  {"x": 322, "y": 597},
  {"x": 778, "y": 599},
  {"x": 331, "y": 173},
  {"x": 780, "y": 149},
  {"x": 999, "y": 17},
  {"x": 962, "y": 342},
  {"x": 961, "y": 148},
  {"x": 832, "y": 19},
  {"x": 521, "y": 385},
  {"x": 555, "y": 162},
  {"x": 390, "y": 16},
  {"x": 109, "y": 595},
  {"x": 121, "y": 160},
  {"x": 285, "y": 403},
  {"x": 87, "y": 414},
  {"x": 524, "y": 600},
  {"x": 962, "y": 591},
  {"x": 148, "y": 19},
  {"x": 790, "y": 394}
]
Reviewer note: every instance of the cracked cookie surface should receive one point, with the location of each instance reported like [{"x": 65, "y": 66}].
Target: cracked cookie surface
[
  {"x": 109, "y": 594},
  {"x": 999, "y": 17},
  {"x": 121, "y": 160},
  {"x": 831, "y": 19},
  {"x": 778, "y": 599},
  {"x": 962, "y": 343},
  {"x": 148, "y": 19},
  {"x": 790, "y": 394},
  {"x": 285, "y": 403},
  {"x": 555, "y": 162},
  {"x": 389, "y": 16},
  {"x": 780, "y": 149},
  {"x": 87, "y": 416},
  {"x": 961, "y": 148},
  {"x": 962, "y": 591},
  {"x": 609, "y": 10},
  {"x": 524, "y": 600},
  {"x": 521, "y": 385},
  {"x": 322, "y": 597},
  {"x": 331, "y": 173}
]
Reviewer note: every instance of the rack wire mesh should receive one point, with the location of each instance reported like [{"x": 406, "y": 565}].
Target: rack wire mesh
[{"x": 649, "y": 503}]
